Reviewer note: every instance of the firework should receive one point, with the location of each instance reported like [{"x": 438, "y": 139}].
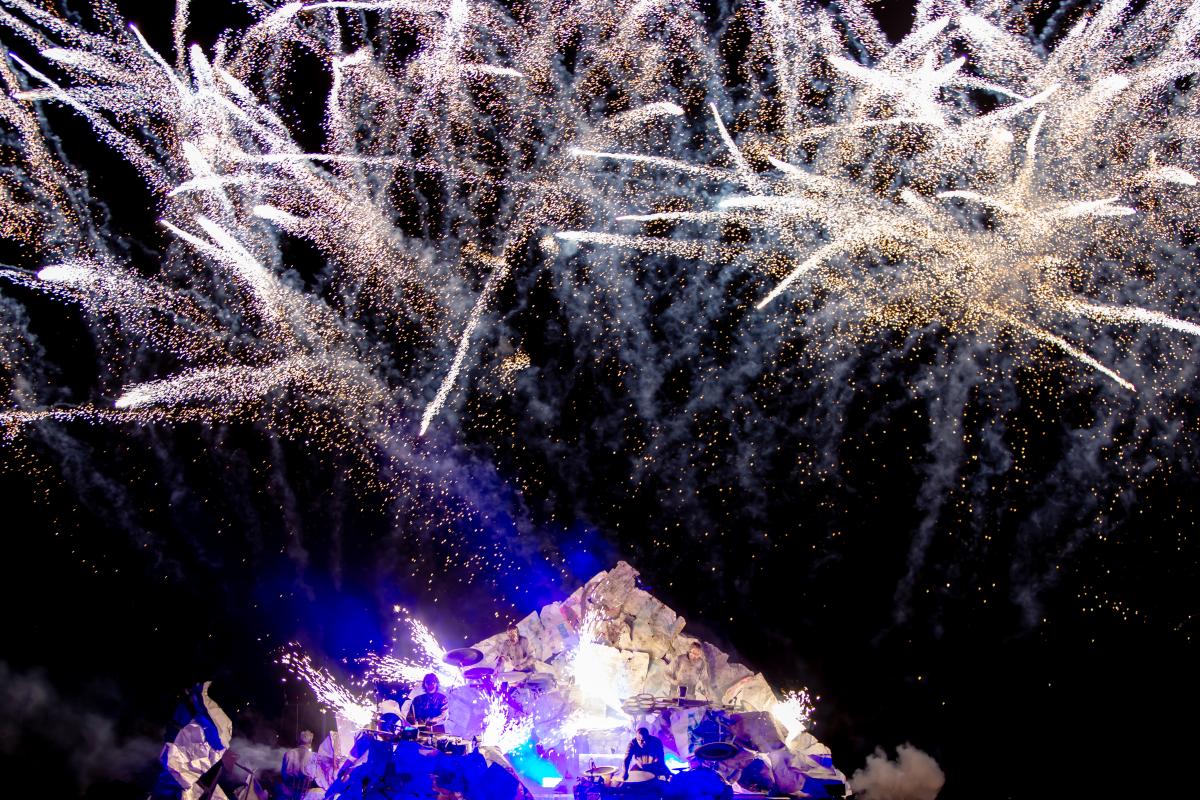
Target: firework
[{"x": 706, "y": 215}]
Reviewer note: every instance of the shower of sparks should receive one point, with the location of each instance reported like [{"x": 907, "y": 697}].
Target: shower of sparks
[
  {"x": 426, "y": 657},
  {"x": 504, "y": 728},
  {"x": 1026, "y": 191},
  {"x": 328, "y": 691},
  {"x": 793, "y": 712},
  {"x": 586, "y": 671},
  {"x": 989, "y": 217}
]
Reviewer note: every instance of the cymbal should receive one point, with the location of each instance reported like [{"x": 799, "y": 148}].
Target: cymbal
[
  {"x": 638, "y": 703},
  {"x": 463, "y": 657},
  {"x": 513, "y": 678},
  {"x": 639, "y": 776},
  {"x": 716, "y": 751},
  {"x": 477, "y": 673},
  {"x": 601, "y": 771}
]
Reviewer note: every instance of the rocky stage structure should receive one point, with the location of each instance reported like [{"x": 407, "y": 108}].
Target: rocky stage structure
[{"x": 611, "y": 647}]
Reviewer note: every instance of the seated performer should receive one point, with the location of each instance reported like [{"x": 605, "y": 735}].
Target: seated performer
[
  {"x": 428, "y": 708},
  {"x": 513, "y": 653},
  {"x": 646, "y": 753}
]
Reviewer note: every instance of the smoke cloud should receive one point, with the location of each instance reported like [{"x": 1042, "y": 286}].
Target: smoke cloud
[
  {"x": 257, "y": 756},
  {"x": 914, "y": 775},
  {"x": 37, "y": 719}
]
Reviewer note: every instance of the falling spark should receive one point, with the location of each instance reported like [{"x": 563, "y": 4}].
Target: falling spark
[
  {"x": 426, "y": 656},
  {"x": 329, "y": 693},
  {"x": 1134, "y": 315}
]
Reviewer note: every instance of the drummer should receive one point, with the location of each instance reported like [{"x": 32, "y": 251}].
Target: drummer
[
  {"x": 646, "y": 753},
  {"x": 369, "y": 756},
  {"x": 513, "y": 654},
  {"x": 427, "y": 708}
]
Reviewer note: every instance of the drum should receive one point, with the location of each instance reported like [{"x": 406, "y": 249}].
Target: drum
[
  {"x": 712, "y": 728},
  {"x": 700, "y": 783},
  {"x": 452, "y": 745},
  {"x": 478, "y": 676},
  {"x": 427, "y": 735},
  {"x": 716, "y": 751}
]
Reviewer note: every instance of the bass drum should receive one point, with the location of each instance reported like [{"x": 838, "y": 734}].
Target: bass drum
[
  {"x": 466, "y": 707},
  {"x": 700, "y": 783}
]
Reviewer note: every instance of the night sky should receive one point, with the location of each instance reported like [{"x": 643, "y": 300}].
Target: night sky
[{"x": 999, "y": 569}]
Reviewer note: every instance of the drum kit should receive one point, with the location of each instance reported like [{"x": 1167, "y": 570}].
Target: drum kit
[
  {"x": 430, "y": 737},
  {"x": 713, "y": 739},
  {"x": 648, "y": 703},
  {"x": 713, "y": 733},
  {"x": 693, "y": 783},
  {"x": 468, "y": 705},
  {"x": 519, "y": 689},
  {"x": 602, "y": 782}
]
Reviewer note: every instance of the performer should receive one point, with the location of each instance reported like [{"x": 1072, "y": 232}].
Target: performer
[
  {"x": 428, "y": 708},
  {"x": 690, "y": 673},
  {"x": 298, "y": 767},
  {"x": 513, "y": 653},
  {"x": 370, "y": 757},
  {"x": 646, "y": 753}
]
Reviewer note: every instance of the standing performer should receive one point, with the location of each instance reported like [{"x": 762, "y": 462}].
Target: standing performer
[
  {"x": 428, "y": 708},
  {"x": 690, "y": 673},
  {"x": 646, "y": 753},
  {"x": 298, "y": 767}
]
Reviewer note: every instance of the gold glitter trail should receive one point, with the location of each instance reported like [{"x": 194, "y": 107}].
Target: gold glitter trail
[
  {"x": 464, "y": 344},
  {"x": 1068, "y": 348},
  {"x": 1018, "y": 228},
  {"x": 1132, "y": 314}
]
